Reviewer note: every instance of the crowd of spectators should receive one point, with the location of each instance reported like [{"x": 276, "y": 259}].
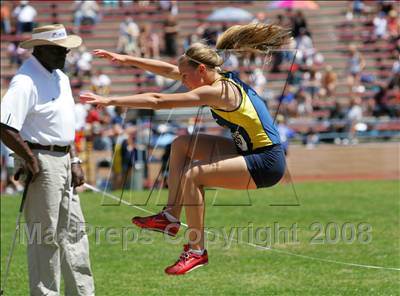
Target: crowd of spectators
[
  {"x": 379, "y": 31},
  {"x": 369, "y": 93}
]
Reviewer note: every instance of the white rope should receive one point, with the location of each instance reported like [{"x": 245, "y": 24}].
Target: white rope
[{"x": 88, "y": 186}]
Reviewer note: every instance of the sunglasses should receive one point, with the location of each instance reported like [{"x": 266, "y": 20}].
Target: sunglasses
[{"x": 52, "y": 49}]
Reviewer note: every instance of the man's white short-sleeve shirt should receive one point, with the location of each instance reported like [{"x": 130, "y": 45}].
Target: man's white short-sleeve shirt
[{"x": 40, "y": 105}]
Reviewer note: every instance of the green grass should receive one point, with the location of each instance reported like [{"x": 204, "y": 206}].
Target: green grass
[{"x": 136, "y": 268}]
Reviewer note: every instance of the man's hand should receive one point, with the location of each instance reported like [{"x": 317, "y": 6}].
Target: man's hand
[
  {"x": 33, "y": 167},
  {"x": 13, "y": 140},
  {"x": 78, "y": 177}
]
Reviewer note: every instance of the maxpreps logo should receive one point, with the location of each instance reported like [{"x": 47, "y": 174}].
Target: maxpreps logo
[{"x": 58, "y": 35}]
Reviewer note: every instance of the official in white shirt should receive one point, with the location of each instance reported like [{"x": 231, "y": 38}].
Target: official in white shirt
[{"x": 38, "y": 124}]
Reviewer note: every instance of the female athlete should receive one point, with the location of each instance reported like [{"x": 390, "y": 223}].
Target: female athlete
[{"x": 253, "y": 158}]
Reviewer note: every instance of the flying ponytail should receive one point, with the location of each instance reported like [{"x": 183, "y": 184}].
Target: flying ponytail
[
  {"x": 250, "y": 37},
  {"x": 255, "y": 36}
]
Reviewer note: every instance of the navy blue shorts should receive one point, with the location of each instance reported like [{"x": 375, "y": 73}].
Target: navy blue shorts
[{"x": 266, "y": 165}]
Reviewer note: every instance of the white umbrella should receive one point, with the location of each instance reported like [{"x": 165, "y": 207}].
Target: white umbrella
[{"x": 230, "y": 14}]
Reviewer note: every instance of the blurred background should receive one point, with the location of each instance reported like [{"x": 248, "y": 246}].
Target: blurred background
[{"x": 334, "y": 91}]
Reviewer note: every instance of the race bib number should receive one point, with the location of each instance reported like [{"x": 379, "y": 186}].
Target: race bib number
[{"x": 239, "y": 141}]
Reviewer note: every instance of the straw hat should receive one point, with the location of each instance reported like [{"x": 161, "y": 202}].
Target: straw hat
[{"x": 52, "y": 35}]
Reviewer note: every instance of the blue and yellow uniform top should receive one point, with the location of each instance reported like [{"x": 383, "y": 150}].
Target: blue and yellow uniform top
[{"x": 251, "y": 124}]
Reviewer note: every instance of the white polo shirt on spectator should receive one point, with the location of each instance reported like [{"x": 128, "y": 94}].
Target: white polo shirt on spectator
[
  {"x": 40, "y": 105},
  {"x": 25, "y": 14}
]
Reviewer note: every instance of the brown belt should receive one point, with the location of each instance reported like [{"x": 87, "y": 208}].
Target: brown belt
[{"x": 55, "y": 148}]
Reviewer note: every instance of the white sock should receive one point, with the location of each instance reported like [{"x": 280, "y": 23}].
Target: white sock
[
  {"x": 170, "y": 217},
  {"x": 197, "y": 252}
]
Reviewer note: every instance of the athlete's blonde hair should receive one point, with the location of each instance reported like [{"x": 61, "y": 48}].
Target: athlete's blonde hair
[{"x": 251, "y": 37}]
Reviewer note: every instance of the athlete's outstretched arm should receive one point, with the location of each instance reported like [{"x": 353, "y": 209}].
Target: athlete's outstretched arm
[
  {"x": 205, "y": 95},
  {"x": 155, "y": 66}
]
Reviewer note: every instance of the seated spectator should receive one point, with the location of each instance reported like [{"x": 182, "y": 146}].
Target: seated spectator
[
  {"x": 165, "y": 166},
  {"x": 16, "y": 54},
  {"x": 130, "y": 155},
  {"x": 285, "y": 132},
  {"x": 210, "y": 35},
  {"x": 328, "y": 83},
  {"x": 8, "y": 184},
  {"x": 25, "y": 16},
  {"x": 117, "y": 177},
  {"x": 100, "y": 83},
  {"x": 310, "y": 138},
  {"x": 101, "y": 141},
  {"x": 54, "y": 13},
  {"x": 312, "y": 82},
  {"x": 298, "y": 23},
  {"x": 380, "y": 26},
  {"x": 118, "y": 118},
  {"x": 77, "y": 85},
  {"x": 245, "y": 76},
  {"x": 355, "y": 65},
  {"x": 86, "y": 13},
  {"x": 288, "y": 102},
  {"x": 192, "y": 38},
  {"x": 305, "y": 45},
  {"x": 288, "y": 96},
  {"x": 354, "y": 116},
  {"x": 337, "y": 121},
  {"x": 81, "y": 111},
  {"x": 197, "y": 36},
  {"x": 349, "y": 15},
  {"x": 128, "y": 39},
  {"x": 84, "y": 63},
  {"x": 277, "y": 60},
  {"x": 171, "y": 36},
  {"x": 337, "y": 112},
  {"x": 381, "y": 106},
  {"x": 260, "y": 18},
  {"x": 396, "y": 66},
  {"x": 149, "y": 42},
  {"x": 283, "y": 56},
  {"x": 231, "y": 62},
  {"x": 393, "y": 24},
  {"x": 385, "y": 6},
  {"x": 93, "y": 115},
  {"x": 294, "y": 75},
  {"x": 288, "y": 16},
  {"x": 71, "y": 63},
  {"x": 280, "y": 20},
  {"x": 358, "y": 7},
  {"x": 258, "y": 80},
  {"x": 5, "y": 18},
  {"x": 304, "y": 103},
  {"x": 169, "y": 6}
]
